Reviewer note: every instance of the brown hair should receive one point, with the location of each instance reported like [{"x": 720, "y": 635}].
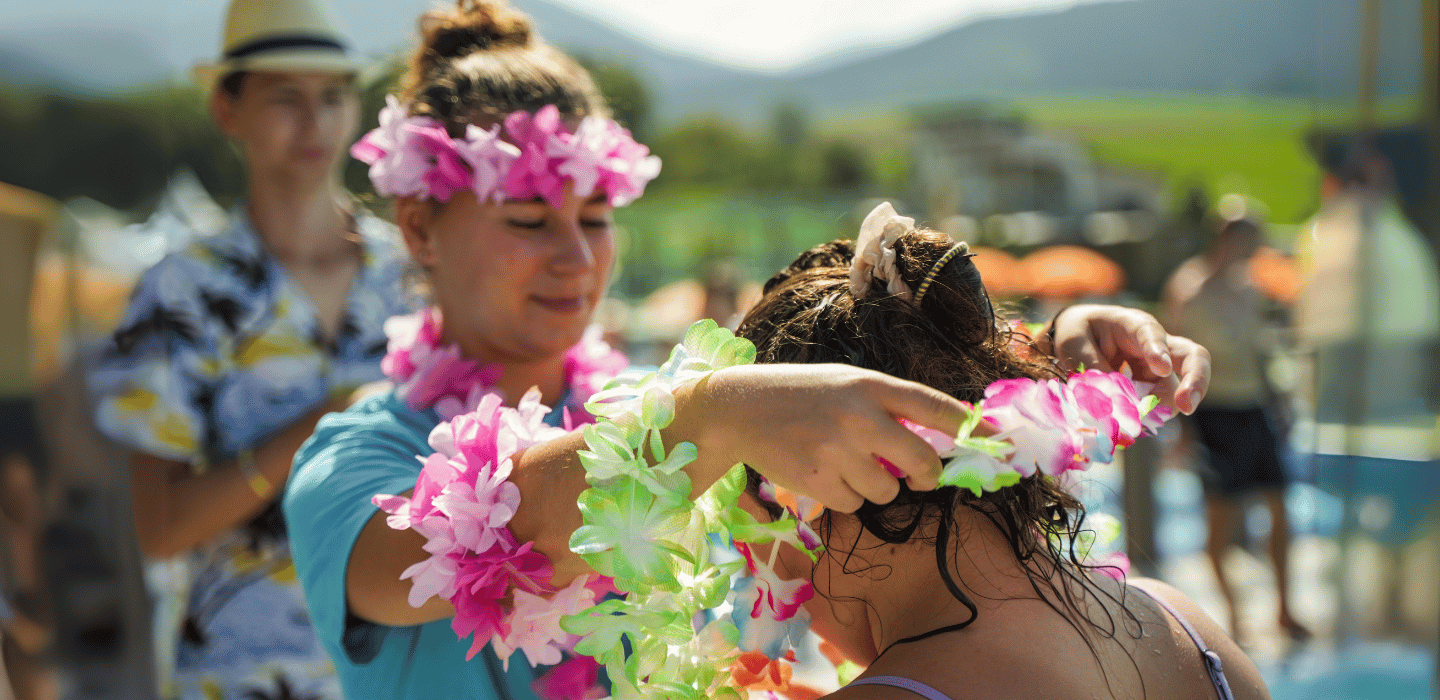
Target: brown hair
[
  {"x": 481, "y": 60},
  {"x": 952, "y": 342}
]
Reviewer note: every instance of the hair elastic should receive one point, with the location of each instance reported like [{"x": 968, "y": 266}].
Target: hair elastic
[{"x": 958, "y": 248}]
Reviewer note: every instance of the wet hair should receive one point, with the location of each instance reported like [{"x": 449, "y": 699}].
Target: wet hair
[
  {"x": 481, "y": 60},
  {"x": 951, "y": 341}
]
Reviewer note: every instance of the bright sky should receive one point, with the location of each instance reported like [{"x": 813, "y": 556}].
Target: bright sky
[{"x": 777, "y": 34}]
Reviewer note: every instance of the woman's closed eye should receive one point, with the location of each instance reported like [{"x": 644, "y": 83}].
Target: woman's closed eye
[{"x": 528, "y": 224}]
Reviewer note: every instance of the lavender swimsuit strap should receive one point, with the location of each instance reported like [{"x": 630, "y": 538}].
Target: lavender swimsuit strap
[
  {"x": 1212, "y": 660},
  {"x": 900, "y": 682}
]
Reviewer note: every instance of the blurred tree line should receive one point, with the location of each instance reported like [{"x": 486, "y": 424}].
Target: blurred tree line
[{"x": 120, "y": 150}]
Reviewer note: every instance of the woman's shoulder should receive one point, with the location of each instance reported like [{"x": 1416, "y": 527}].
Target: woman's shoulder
[
  {"x": 370, "y": 447},
  {"x": 1240, "y": 672},
  {"x": 380, "y": 417}
]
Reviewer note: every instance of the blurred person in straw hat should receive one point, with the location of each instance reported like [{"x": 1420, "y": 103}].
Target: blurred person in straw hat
[
  {"x": 233, "y": 348},
  {"x": 1213, "y": 299}
]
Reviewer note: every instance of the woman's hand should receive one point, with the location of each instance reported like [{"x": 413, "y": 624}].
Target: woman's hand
[
  {"x": 818, "y": 429},
  {"x": 1104, "y": 337}
]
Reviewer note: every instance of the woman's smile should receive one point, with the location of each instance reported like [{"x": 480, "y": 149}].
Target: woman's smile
[{"x": 560, "y": 305}]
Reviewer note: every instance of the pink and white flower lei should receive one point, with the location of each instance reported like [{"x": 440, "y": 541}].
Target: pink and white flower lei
[
  {"x": 1051, "y": 427},
  {"x": 1060, "y": 426},
  {"x": 768, "y": 612},
  {"x": 463, "y": 500},
  {"x": 533, "y": 155}
]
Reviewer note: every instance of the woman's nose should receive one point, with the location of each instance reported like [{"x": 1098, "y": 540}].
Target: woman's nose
[{"x": 574, "y": 253}]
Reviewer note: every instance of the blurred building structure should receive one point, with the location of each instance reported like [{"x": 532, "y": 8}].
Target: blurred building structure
[{"x": 1022, "y": 188}]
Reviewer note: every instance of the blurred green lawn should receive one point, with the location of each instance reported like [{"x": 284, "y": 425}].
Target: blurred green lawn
[{"x": 1225, "y": 144}]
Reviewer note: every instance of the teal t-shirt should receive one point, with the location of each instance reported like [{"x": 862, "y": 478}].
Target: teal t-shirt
[{"x": 352, "y": 456}]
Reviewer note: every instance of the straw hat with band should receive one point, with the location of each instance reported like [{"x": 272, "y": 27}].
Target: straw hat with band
[{"x": 278, "y": 35}]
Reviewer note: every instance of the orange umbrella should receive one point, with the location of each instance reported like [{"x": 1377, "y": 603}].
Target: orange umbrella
[
  {"x": 1276, "y": 275},
  {"x": 1001, "y": 271},
  {"x": 1069, "y": 272}
]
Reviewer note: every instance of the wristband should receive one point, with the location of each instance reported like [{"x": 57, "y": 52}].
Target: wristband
[
  {"x": 245, "y": 460},
  {"x": 1050, "y": 331}
]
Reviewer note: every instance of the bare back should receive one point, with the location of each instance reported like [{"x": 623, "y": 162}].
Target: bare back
[{"x": 1021, "y": 648}]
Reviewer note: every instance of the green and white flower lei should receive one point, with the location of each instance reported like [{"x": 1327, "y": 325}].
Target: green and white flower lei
[{"x": 643, "y": 529}]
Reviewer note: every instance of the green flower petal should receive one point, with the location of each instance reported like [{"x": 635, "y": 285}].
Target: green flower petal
[{"x": 657, "y": 408}]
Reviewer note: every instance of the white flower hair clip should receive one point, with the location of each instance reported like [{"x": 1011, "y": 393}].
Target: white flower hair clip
[{"x": 875, "y": 252}]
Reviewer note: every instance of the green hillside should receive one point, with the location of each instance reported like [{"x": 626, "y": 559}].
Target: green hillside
[{"x": 1247, "y": 145}]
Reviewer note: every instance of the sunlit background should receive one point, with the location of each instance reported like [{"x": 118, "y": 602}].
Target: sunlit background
[{"x": 1083, "y": 148}]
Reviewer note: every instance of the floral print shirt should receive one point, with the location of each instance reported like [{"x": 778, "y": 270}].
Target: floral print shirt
[{"x": 219, "y": 350}]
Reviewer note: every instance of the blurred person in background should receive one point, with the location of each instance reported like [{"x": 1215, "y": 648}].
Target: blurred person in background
[
  {"x": 24, "y": 625},
  {"x": 1369, "y": 320},
  {"x": 26, "y": 608},
  {"x": 1213, "y": 299},
  {"x": 233, "y": 348},
  {"x": 722, "y": 282}
]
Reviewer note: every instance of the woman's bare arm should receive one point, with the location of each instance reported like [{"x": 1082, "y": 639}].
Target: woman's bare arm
[
  {"x": 815, "y": 429},
  {"x": 176, "y": 510}
]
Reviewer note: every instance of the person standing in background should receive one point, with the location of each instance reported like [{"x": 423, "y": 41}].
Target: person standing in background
[
  {"x": 1368, "y": 328},
  {"x": 1212, "y": 299},
  {"x": 26, "y": 621},
  {"x": 233, "y": 348}
]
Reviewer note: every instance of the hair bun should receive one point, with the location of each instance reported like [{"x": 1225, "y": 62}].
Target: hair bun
[{"x": 473, "y": 25}]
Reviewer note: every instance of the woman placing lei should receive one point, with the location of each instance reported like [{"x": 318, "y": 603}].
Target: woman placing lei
[{"x": 428, "y": 577}]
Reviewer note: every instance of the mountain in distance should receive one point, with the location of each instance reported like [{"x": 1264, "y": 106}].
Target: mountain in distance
[
  {"x": 1296, "y": 48},
  {"x": 1287, "y": 48},
  {"x": 102, "y": 47}
]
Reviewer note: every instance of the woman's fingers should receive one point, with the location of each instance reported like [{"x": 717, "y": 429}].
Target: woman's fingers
[
  {"x": 1075, "y": 347},
  {"x": 840, "y": 498},
  {"x": 871, "y": 481},
  {"x": 921, "y": 404},
  {"x": 1106, "y": 337},
  {"x": 1137, "y": 338},
  {"x": 822, "y": 430},
  {"x": 1193, "y": 372},
  {"x": 905, "y": 450}
]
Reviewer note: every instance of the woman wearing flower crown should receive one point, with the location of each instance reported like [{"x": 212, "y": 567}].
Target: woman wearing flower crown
[
  {"x": 232, "y": 348},
  {"x": 982, "y": 588},
  {"x": 505, "y": 169}
]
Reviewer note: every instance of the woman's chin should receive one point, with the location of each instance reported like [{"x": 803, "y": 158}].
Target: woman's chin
[{"x": 558, "y": 338}]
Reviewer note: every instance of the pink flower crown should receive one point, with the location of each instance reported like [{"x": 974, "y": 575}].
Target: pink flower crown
[{"x": 416, "y": 156}]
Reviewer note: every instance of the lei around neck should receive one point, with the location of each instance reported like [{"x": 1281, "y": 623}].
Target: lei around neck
[
  {"x": 427, "y": 374},
  {"x": 463, "y": 500},
  {"x": 533, "y": 155}
]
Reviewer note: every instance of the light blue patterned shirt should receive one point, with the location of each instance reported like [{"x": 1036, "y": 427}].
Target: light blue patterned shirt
[{"x": 218, "y": 351}]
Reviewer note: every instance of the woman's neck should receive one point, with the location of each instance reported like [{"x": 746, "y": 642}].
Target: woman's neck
[
  {"x": 548, "y": 375},
  {"x": 518, "y": 374},
  {"x": 914, "y": 598},
  {"x": 299, "y": 224}
]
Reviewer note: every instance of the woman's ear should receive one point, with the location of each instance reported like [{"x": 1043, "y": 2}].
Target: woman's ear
[{"x": 414, "y": 216}]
